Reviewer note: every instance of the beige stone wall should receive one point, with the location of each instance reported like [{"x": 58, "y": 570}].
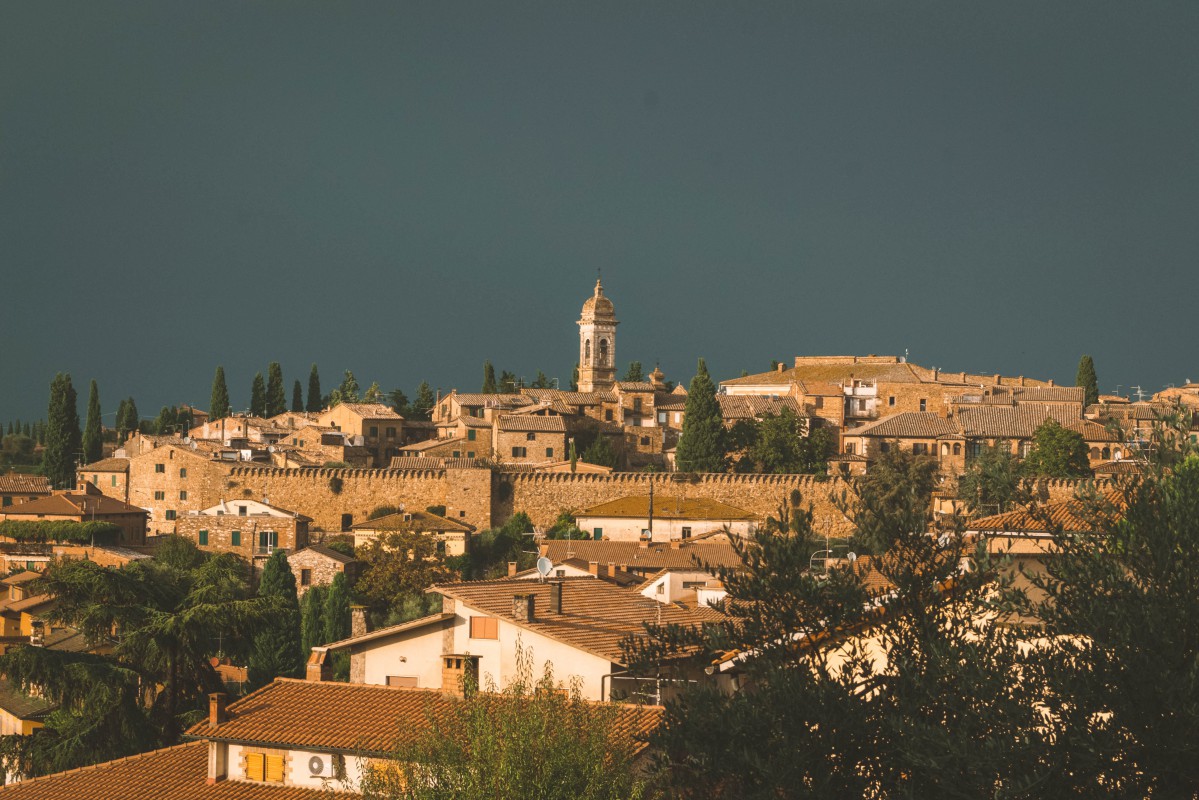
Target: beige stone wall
[{"x": 321, "y": 569}]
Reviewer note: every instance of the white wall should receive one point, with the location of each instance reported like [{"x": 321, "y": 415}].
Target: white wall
[{"x": 626, "y": 529}]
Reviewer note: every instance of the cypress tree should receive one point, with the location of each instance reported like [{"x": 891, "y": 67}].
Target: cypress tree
[
  {"x": 276, "y": 652},
  {"x": 337, "y": 609},
  {"x": 488, "y": 378},
  {"x": 1087, "y": 379},
  {"x": 422, "y": 408},
  {"x": 314, "y": 391},
  {"x": 702, "y": 444},
  {"x": 276, "y": 397},
  {"x": 297, "y": 397},
  {"x": 132, "y": 419},
  {"x": 63, "y": 437},
  {"x": 312, "y": 613},
  {"x": 119, "y": 424},
  {"x": 93, "y": 441},
  {"x": 26, "y": 431},
  {"x": 574, "y": 378},
  {"x": 10, "y": 430},
  {"x": 258, "y": 396},
  {"x": 218, "y": 406},
  {"x": 634, "y": 373}
]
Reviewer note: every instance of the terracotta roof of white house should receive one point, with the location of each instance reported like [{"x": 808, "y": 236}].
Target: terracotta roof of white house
[
  {"x": 24, "y": 484},
  {"x": 667, "y": 507},
  {"x": 648, "y": 557},
  {"x": 414, "y": 520}
]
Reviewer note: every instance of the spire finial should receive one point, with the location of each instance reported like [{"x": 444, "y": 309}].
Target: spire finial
[{"x": 599, "y": 281}]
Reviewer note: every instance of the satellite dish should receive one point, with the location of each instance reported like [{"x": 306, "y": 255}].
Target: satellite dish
[
  {"x": 544, "y": 566},
  {"x": 851, "y": 557}
]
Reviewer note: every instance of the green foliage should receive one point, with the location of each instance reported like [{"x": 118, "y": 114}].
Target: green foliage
[
  {"x": 341, "y": 546},
  {"x": 335, "y": 481},
  {"x": 276, "y": 398},
  {"x": 127, "y": 419},
  {"x": 17, "y": 449},
  {"x": 1087, "y": 379},
  {"x": 312, "y": 618},
  {"x": 63, "y": 437},
  {"x": 422, "y": 407},
  {"x": 894, "y": 500},
  {"x": 574, "y": 378},
  {"x": 489, "y": 386},
  {"x": 258, "y": 396},
  {"x": 702, "y": 444},
  {"x": 314, "y": 391},
  {"x": 152, "y": 679},
  {"x": 1057, "y": 452},
  {"x": 600, "y": 452},
  {"x": 218, "y": 406},
  {"x": 93, "y": 441},
  {"x": 64, "y": 531},
  {"x": 167, "y": 421},
  {"x": 779, "y": 444},
  {"x": 507, "y": 382},
  {"x": 634, "y": 373},
  {"x": 991, "y": 482},
  {"x": 297, "y": 397},
  {"x": 276, "y": 651},
  {"x": 565, "y": 528},
  {"x": 491, "y": 550},
  {"x": 542, "y": 381},
  {"x": 179, "y": 553},
  {"x": 534, "y": 741},
  {"x": 336, "y": 612},
  {"x": 382, "y": 511},
  {"x": 373, "y": 393},
  {"x": 397, "y": 566},
  {"x": 347, "y": 392},
  {"x": 399, "y": 401},
  {"x": 574, "y": 457},
  {"x": 438, "y": 510}
]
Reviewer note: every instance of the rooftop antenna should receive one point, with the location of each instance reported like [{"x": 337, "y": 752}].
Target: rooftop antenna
[{"x": 544, "y": 568}]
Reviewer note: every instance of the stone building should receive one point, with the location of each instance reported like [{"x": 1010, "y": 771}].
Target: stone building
[
  {"x": 84, "y": 507},
  {"x": 16, "y": 488},
  {"x": 452, "y": 533},
  {"x": 597, "y": 343},
  {"x": 110, "y": 476},
  {"x": 381, "y": 428},
  {"x": 524, "y": 438},
  {"x": 251, "y": 529},
  {"x": 316, "y": 565},
  {"x": 664, "y": 517}
]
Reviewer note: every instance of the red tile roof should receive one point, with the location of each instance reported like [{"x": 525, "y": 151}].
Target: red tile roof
[
  {"x": 650, "y": 558},
  {"x": 24, "y": 484},
  {"x": 665, "y": 507},
  {"x": 73, "y": 504},
  {"x": 175, "y": 773}
]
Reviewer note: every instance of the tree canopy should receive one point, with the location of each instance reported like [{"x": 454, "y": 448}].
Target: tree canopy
[
  {"x": 218, "y": 406},
  {"x": 701, "y": 446},
  {"x": 315, "y": 399},
  {"x": 1057, "y": 452},
  {"x": 1087, "y": 379},
  {"x": 64, "y": 440},
  {"x": 93, "y": 440},
  {"x": 276, "y": 397},
  {"x": 276, "y": 651}
]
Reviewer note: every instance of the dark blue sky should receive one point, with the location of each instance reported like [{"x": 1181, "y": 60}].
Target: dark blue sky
[{"x": 406, "y": 189}]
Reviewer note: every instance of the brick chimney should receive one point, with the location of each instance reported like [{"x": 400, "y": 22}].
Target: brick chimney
[
  {"x": 511, "y": 569},
  {"x": 216, "y": 709},
  {"x": 593, "y": 568},
  {"x": 459, "y": 674},
  {"x": 556, "y": 596},
  {"x": 611, "y": 569},
  {"x": 523, "y": 607},
  {"x": 358, "y": 623},
  {"x": 318, "y": 667}
]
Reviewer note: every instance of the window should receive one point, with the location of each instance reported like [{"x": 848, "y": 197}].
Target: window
[
  {"x": 518, "y": 452},
  {"x": 29, "y": 565},
  {"x": 404, "y": 681},
  {"x": 645, "y": 441},
  {"x": 261, "y": 767},
  {"x": 241, "y": 511},
  {"x": 268, "y": 541},
  {"x": 944, "y": 448},
  {"x": 587, "y": 352},
  {"x": 661, "y": 588},
  {"x": 603, "y": 352},
  {"x": 374, "y": 431},
  {"x": 678, "y": 415},
  {"x": 861, "y": 405},
  {"x": 391, "y": 432},
  {"x": 160, "y": 468},
  {"x": 957, "y": 448},
  {"x": 305, "y": 577},
  {"x": 484, "y": 628},
  {"x": 923, "y": 404},
  {"x": 1025, "y": 448},
  {"x": 530, "y": 437},
  {"x": 160, "y": 495},
  {"x": 457, "y": 454},
  {"x": 637, "y": 404},
  {"x": 235, "y": 538},
  {"x": 7, "y": 501},
  {"x": 170, "y": 513},
  {"x": 183, "y": 472},
  {"x": 920, "y": 449},
  {"x": 686, "y": 533},
  {"x": 346, "y": 521},
  {"x": 597, "y": 533},
  {"x": 850, "y": 447},
  {"x": 203, "y": 538},
  {"x": 470, "y": 453},
  {"x": 471, "y": 435},
  {"x": 607, "y": 415},
  {"x": 661, "y": 417},
  {"x": 95, "y": 479},
  {"x": 549, "y": 452},
  {"x": 183, "y": 494},
  {"x": 818, "y": 403},
  {"x": 891, "y": 400},
  {"x": 1106, "y": 452},
  {"x": 114, "y": 480}
]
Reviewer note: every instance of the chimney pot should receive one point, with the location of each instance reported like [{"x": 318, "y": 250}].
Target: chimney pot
[
  {"x": 511, "y": 569},
  {"x": 358, "y": 622},
  {"x": 556, "y": 596},
  {"x": 216, "y": 709},
  {"x": 318, "y": 667},
  {"x": 524, "y": 607},
  {"x": 611, "y": 569},
  {"x": 593, "y": 568}
]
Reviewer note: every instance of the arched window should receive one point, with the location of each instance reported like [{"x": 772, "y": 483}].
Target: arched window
[
  {"x": 603, "y": 353},
  {"x": 957, "y": 448},
  {"x": 944, "y": 448},
  {"x": 1095, "y": 452},
  {"x": 587, "y": 353},
  {"x": 1107, "y": 452}
]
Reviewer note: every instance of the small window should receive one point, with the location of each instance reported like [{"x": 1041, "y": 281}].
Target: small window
[
  {"x": 484, "y": 628},
  {"x": 608, "y": 415},
  {"x": 957, "y": 448},
  {"x": 160, "y": 495},
  {"x": 183, "y": 472},
  {"x": 391, "y": 432},
  {"x": 95, "y": 480},
  {"x": 241, "y": 511},
  {"x": 645, "y": 441},
  {"x": 923, "y": 404},
  {"x": 597, "y": 533},
  {"x": 235, "y": 538},
  {"x": 920, "y": 449},
  {"x": 305, "y": 577},
  {"x": 891, "y": 400},
  {"x": 818, "y": 403},
  {"x": 457, "y": 454},
  {"x": 160, "y": 468},
  {"x": 686, "y": 532},
  {"x": 861, "y": 405},
  {"x": 518, "y": 452},
  {"x": 29, "y": 565},
  {"x": 530, "y": 437},
  {"x": 549, "y": 452},
  {"x": 850, "y": 447},
  {"x": 470, "y": 453},
  {"x": 114, "y": 480},
  {"x": 7, "y": 501},
  {"x": 374, "y": 431},
  {"x": 944, "y": 448},
  {"x": 662, "y": 417},
  {"x": 678, "y": 415},
  {"x": 203, "y": 538},
  {"x": 183, "y": 494},
  {"x": 347, "y": 520},
  {"x": 637, "y": 404},
  {"x": 471, "y": 435},
  {"x": 170, "y": 513},
  {"x": 661, "y": 588}
]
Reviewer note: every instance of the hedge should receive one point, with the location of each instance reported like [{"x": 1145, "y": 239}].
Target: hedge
[{"x": 60, "y": 531}]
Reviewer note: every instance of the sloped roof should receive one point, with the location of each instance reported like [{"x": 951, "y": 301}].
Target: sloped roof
[
  {"x": 1072, "y": 516},
  {"x": 908, "y": 424},
  {"x": 15, "y": 483},
  {"x": 21, "y": 705},
  {"x": 74, "y": 504},
  {"x": 421, "y": 462},
  {"x": 529, "y": 422},
  {"x": 651, "y": 557},
  {"x": 982, "y": 421},
  {"x": 742, "y": 406},
  {"x": 174, "y": 773},
  {"x": 349, "y": 717},
  {"x": 667, "y": 507},
  {"x": 372, "y": 410},
  {"x": 417, "y": 521},
  {"x": 327, "y": 552},
  {"x": 635, "y": 386},
  {"x": 105, "y": 465},
  {"x": 596, "y": 615},
  {"x": 498, "y": 399}
]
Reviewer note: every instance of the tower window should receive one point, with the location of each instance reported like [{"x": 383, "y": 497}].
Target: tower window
[
  {"x": 587, "y": 352},
  {"x": 603, "y": 352}
]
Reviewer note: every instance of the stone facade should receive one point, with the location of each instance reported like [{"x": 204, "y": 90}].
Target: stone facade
[{"x": 316, "y": 566}]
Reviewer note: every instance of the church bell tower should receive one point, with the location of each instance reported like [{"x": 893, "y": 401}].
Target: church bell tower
[{"x": 597, "y": 343}]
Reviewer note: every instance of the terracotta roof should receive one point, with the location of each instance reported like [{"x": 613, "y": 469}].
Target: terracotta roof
[
  {"x": 414, "y": 520},
  {"x": 74, "y": 504},
  {"x": 596, "y": 615},
  {"x": 550, "y": 424},
  {"x": 418, "y": 462},
  {"x": 474, "y": 422},
  {"x": 908, "y": 424},
  {"x": 430, "y": 444},
  {"x": 327, "y": 552},
  {"x": 107, "y": 465},
  {"x": 666, "y": 507},
  {"x": 330, "y": 716},
  {"x": 833, "y": 370},
  {"x": 175, "y": 773},
  {"x": 572, "y": 398},
  {"x": 635, "y": 386},
  {"x": 737, "y": 406},
  {"x": 1127, "y": 466},
  {"x": 493, "y": 400},
  {"x": 652, "y": 557},
  {"x": 984, "y": 421},
  {"x": 29, "y": 603},
  {"x": 1071, "y": 515},
  {"x": 21, "y": 705},
  {"x": 373, "y": 410},
  {"x": 664, "y": 401},
  {"x": 23, "y": 577},
  {"x": 14, "y": 483}
]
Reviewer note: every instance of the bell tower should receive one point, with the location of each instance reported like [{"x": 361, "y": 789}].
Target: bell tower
[{"x": 597, "y": 343}]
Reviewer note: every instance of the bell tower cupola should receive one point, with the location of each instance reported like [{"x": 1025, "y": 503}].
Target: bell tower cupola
[{"x": 597, "y": 343}]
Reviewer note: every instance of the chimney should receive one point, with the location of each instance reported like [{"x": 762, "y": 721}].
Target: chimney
[
  {"x": 780, "y": 366},
  {"x": 523, "y": 606},
  {"x": 511, "y": 569},
  {"x": 556, "y": 596},
  {"x": 936, "y": 373},
  {"x": 1051, "y": 381},
  {"x": 459, "y": 674},
  {"x": 37, "y": 636},
  {"x": 1021, "y": 380},
  {"x": 216, "y": 709},
  {"x": 611, "y": 569},
  {"x": 358, "y": 624},
  {"x": 998, "y": 379},
  {"x": 318, "y": 667},
  {"x": 675, "y": 544},
  {"x": 593, "y": 568}
]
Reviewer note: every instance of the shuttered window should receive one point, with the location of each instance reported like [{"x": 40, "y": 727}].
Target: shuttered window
[
  {"x": 274, "y": 769},
  {"x": 255, "y": 766},
  {"x": 484, "y": 628}
]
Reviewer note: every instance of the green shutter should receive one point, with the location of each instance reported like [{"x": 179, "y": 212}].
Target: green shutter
[
  {"x": 235, "y": 538},
  {"x": 203, "y": 538}
]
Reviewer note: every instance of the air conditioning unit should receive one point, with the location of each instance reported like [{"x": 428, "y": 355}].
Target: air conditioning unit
[{"x": 327, "y": 766}]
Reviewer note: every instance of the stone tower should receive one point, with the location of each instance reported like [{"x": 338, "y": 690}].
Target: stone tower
[{"x": 597, "y": 343}]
